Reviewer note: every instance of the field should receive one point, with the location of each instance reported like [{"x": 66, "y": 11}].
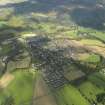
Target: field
[
  {"x": 21, "y": 88},
  {"x": 92, "y": 87},
  {"x": 84, "y": 94},
  {"x": 70, "y": 96},
  {"x": 92, "y": 58},
  {"x": 90, "y": 90}
]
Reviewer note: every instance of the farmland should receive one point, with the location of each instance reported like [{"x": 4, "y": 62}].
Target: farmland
[{"x": 52, "y": 52}]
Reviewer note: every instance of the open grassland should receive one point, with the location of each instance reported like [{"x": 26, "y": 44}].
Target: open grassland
[{"x": 21, "y": 88}]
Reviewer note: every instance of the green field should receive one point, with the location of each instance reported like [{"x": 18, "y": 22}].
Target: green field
[
  {"x": 97, "y": 79},
  {"x": 84, "y": 94},
  {"x": 90, "y": 90},
  {"x": 92, "y": 42},
  {"x": 93, "y": 86},
  {"x": 21, "y": 88},
  {"x": 69, "y": 95},
  {"x": 91, "y": 58},
  {"x": 100, "y": 35}
]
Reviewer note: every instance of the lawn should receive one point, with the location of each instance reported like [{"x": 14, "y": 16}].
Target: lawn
[
  {"x": 69, "y": 95},
  {"x": 21, "y": 88}
]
